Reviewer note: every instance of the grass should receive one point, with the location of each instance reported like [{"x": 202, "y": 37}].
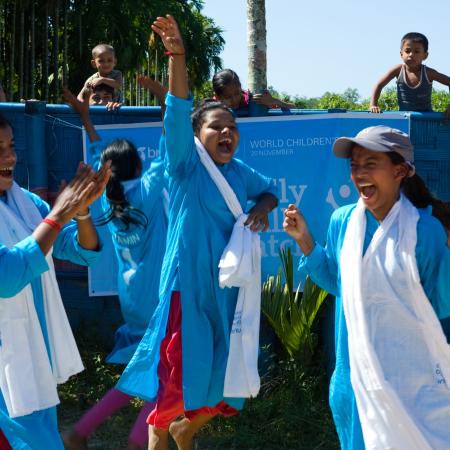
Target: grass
[{"x": 291, "y": 412}]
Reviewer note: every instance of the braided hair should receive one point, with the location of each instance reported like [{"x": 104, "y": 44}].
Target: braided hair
[{"x": 125, "y": 165}]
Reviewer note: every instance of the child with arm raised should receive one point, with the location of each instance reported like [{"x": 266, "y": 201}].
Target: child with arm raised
[
  {"x": 182, "y": 360},
  {"x": 134, "y": 210}
]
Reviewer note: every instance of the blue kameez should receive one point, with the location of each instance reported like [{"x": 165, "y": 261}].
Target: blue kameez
[
  {"x": 20, "y": 266},
  {"x": 322, "y": 264},
  {"x": 140, "y": 251},
  {"x": 200, "y": 225}
]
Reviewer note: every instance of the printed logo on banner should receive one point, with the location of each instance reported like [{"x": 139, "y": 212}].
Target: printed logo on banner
[{"x": 295, "y": 151}]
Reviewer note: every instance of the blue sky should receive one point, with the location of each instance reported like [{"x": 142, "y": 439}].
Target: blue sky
[{"x": 331, "y": 45}]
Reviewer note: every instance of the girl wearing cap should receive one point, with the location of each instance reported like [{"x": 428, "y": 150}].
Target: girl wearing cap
[{"x": 383, "y": 261}]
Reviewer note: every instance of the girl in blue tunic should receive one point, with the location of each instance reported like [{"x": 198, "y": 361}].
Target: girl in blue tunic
[
  {"x": 181, "y": 360},
  {"x": 36, "y": 341},
  {"x": 135, "y": 206},
  {"x": 382, "y": 173}
]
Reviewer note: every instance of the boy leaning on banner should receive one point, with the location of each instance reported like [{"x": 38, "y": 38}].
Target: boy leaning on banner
[
  {"x": 386, "y": 260},
  {"x": 192, "y": 359}
]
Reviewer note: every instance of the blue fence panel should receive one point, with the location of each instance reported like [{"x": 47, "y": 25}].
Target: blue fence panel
[
  {"x": 49, "y": 147},
  {"x": 431, "y": 138}
]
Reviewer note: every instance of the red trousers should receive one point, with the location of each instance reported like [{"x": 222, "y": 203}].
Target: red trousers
[
  {"x": 4, "y": 445},
  {"x": 169, "y": 402}
]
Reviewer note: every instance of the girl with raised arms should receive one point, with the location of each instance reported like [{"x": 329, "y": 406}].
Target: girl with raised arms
[{"x": 184, "y": 359}]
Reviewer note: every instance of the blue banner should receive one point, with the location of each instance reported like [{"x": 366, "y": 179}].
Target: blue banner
[{"x": 294, "y": 150}]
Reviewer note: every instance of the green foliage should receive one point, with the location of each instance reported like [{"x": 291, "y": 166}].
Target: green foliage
[
  {"x": 63, "y": 33},
  {"x": 348, "y": 100},
  {"x": 292, "y": 313},
  {"x": 388, "y": 100},
  {"x": 204, "y": 91},
  {"x": 86, "y": 388},
  {"x": 440, "y": 100},
  {"x": 291, "y": 412}
]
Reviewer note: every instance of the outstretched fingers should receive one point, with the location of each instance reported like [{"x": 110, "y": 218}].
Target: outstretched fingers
[{"x": 167, "y": 29}]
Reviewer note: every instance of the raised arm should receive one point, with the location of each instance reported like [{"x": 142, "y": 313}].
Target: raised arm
[
  {"x": 179, "y": 137},
  {"x": 393, "y": 73},
  {"x": 156, "y": 89},
  {"x": 74, "y": 201},
  {"x": 82, "y": 108},
  {"x": 167, "y": 29}
]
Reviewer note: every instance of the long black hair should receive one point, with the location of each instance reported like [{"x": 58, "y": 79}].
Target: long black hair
[
  {"x": 125, "y": 165},
  {"x": 419, "y": 195},
  {"x": 223, "y": 79}
]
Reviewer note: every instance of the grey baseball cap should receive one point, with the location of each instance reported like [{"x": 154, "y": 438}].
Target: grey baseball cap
[{"x": 379, "y": 138}]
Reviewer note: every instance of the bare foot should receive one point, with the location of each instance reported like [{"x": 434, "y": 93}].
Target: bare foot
[
  {"x": 73, "y": 441},
  {"x": 181, "y": 432}
]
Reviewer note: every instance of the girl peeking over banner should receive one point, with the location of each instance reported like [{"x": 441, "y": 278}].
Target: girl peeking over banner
[
  {"x": 192, "y": 359},
  {"x": 37, "y": 348},
  {"x": 135, "y": 209},
  {"x": 384, "y": 260}
]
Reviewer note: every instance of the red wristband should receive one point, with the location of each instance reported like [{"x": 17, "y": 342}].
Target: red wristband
[
  {"x": 53, "y": 224},
  {"x": 173, "y": 54}
]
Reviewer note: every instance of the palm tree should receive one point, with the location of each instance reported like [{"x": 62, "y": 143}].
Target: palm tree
[
  {"x": 257, "y": 47},
  {"x": 46, "y": 40}
]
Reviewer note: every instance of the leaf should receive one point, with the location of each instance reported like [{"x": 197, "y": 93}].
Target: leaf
[{"x": 292, "y": 314}]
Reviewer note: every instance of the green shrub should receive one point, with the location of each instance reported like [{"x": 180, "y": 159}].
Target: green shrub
[{"x": 292, "y": 313}]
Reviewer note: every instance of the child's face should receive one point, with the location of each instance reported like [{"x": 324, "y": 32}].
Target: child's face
[
  {"x": 413, "y": 53},
  {"x": 231, "y": 95},
  {"x": 219, "y": 135},
  {"x": 104, "y": 63},
  {"x": 377, "y": 179},
  {"x": 100, "y": 98},
  {"x": 8, "y": 158}
]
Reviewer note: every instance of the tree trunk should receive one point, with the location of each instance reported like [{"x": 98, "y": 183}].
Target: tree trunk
[
  {"x": 32, "y": 52},
  {"x": 257, "y": 47},
  {"x": 56, "y": 51},
  {"x": 66, "y": 44},
  {"x": 11, "y": 60},
  {"x": 21, "y": 50},
  {"x": 45, "y": 54}
]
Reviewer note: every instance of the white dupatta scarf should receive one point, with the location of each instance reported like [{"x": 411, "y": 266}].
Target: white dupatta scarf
[
  {"x": 27, "y": 378},
  {"x": 240, "y": 265},
  {"x": 399, "y": 357}
]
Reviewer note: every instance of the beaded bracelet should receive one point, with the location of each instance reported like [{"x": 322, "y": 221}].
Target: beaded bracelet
[
  {"x": 55, "y": 225},
  {"x": 83, "y": 216}
]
